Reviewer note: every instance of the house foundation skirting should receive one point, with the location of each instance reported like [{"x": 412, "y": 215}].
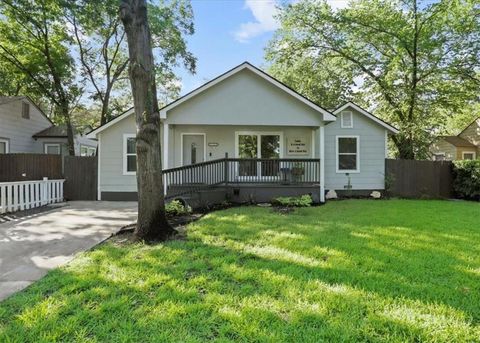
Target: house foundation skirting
[{"x": 232, "y": 193}]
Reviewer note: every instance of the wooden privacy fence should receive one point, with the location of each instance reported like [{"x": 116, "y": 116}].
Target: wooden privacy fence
[
  {"x": 80, "y": 178},
  {"x": 25, "y": 167},
  {"x": 419, "y": 179},
  {"x": 24, "y": 195}
]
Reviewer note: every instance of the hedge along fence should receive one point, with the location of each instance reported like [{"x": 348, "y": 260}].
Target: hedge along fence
[{"x": 466, "y": 179}]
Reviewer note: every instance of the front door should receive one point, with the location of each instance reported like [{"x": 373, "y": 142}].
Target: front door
[{"x": 193, "y": 148}]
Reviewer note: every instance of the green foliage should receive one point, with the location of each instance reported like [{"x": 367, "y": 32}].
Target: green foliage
[
  {"x": 349, "y": 271},
  {"x": 417, "y": 62},
  {"x": 176, "y": 208},
  {"x": 300, "y": 201},
  {"x": 466, "y": 179},
  {"x": 322, "y": 80}
]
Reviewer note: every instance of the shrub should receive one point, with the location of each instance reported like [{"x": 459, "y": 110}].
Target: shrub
[
  {"x": 466, "y": 179},
  {"x": 176, "y": 208},
  {"x": 300, "y": 201}
]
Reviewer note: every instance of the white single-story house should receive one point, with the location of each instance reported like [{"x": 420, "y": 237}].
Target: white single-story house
[{"x": 251, "y": 134}]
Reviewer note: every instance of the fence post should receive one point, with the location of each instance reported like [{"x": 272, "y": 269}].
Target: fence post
[
  {"x": 43, "y": 191},
  {"x": 226, "y": 176}
]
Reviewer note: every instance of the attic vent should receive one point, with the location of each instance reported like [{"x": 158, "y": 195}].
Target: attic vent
[
  {"x": 25, "y": 110},
  {"x": 346, "y": 119}
]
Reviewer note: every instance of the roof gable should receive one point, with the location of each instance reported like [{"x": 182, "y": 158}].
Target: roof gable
[
  {"x": 457, "y": 141},
  {"x": 327, "y": 116},
  {"x": 8, "y": 99},
  {"x": 366, "y": 114}
]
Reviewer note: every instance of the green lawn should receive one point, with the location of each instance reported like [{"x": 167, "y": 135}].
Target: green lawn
[{"x": 355, "y": 270}]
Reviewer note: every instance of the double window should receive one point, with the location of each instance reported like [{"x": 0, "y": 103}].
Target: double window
[
  {"x": 348, "y": 154},
  {"x": 264, "y": 145},
  {"x": 129, "y": 154},
  {"x": 87, "y": 150}
]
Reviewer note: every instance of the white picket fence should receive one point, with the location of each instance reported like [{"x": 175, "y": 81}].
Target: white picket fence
[{"x": 23, "y": 195}]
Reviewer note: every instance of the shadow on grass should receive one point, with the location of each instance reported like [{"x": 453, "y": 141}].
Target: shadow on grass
[{"x": 338, "y": 273}]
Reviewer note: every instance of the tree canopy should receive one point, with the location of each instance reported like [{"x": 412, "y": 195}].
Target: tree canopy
[
  {"x": 72, "y": 55},
  {"x": 416, "y": 64}
]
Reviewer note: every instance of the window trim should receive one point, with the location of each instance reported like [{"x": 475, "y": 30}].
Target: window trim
[
  {"x": 46, "y": 145},
  {"x": 349, "y": 171},
  {"x": 474, "y": 154},
  {"x": 258, "y": 133},
  {"x": 7, "y": 144},
  {"x": 125, "y": 139},
  {"x": 89, "y": 148},
  {"x": 343, "y": 126},
  {"x": 193, "y": 134}
]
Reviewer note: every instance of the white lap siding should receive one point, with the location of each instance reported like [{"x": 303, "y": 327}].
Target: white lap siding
[
  {"x": 111, "y": 158},
  {"x": 371, "y": 157}
]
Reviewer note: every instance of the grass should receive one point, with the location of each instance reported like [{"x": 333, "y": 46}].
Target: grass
[{"x": 354, "y": 270}]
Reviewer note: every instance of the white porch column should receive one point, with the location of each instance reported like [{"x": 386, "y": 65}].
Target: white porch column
[
  {"x": 165, "y": 155},
  {"x": 165, "y": 145},
  {"x": 322, "y": 163}
]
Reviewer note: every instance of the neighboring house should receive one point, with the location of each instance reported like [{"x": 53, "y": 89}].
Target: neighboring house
[
  {"x": 249, "y": 115},
  {"x": 24, "y": 128},
  {"x": 464, "y": 146}
]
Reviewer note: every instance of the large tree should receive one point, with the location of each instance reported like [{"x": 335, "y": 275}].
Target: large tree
[
  {"x": 34, "y": 44},
  {"x": 102, "y": 49},
  {"x": 418, "y": 62},
  {"x": 152, "y": 223}
]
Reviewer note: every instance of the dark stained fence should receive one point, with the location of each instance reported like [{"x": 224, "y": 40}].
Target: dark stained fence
[
  {"x": 27, "y": 167},
  {"x": 80, "y": 178},
  {"x": 419, "y": 179}
]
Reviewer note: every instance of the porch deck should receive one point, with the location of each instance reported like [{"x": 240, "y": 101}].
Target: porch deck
[{"x": 231, "y": 174}]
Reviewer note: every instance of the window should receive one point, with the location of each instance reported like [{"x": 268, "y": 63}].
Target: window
[
  {"x": 252, "y": 145},
  {"x": 3, "y": 146},
  {"x": 52, "y": 148},
  {"x": 440, "y": 156},
  {"x": 129, "y": 155},
  {"x": 348, "y": 156},
  {"x": 25, "y": 110},
  {"x": 346, "y": 119},
  {"x": 87, "y": 151},
  {"x": 468, "y": 155}
]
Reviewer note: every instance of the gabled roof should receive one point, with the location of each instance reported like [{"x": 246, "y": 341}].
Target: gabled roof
[
  {"x": 368, "y": 115},
  {"x": 477, "y": 120},
  {"x": 458, "y": 141},
  {"x": 52, "y": 132},
  {"x": 7, "y": 99},
  {"x": 327, "y": 115}
]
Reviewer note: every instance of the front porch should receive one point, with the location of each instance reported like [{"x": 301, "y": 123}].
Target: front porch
[{"x": 245, "y": 179}]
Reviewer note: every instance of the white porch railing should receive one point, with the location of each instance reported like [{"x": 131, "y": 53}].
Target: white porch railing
[{"x": 23, "y": 195}]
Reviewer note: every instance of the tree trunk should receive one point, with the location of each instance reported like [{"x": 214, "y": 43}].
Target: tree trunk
[
  {"x": 152, "y": 223},
  {"x": 64, "y": 108},
  {"x": 105, "y": 104},
  {"x": 405, "y": 147}
]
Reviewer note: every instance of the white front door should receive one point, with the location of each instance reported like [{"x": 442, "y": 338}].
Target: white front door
[{"x": 193, "y": 148}]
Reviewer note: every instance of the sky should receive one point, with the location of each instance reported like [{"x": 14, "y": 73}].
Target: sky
[{"x": 229, "y": 32}]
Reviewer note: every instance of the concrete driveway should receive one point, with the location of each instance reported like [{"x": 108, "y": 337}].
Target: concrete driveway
[{"x": 31, "y": 246}]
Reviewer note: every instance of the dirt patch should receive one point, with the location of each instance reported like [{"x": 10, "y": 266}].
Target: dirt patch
[{"x": 125, "y": 235}]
